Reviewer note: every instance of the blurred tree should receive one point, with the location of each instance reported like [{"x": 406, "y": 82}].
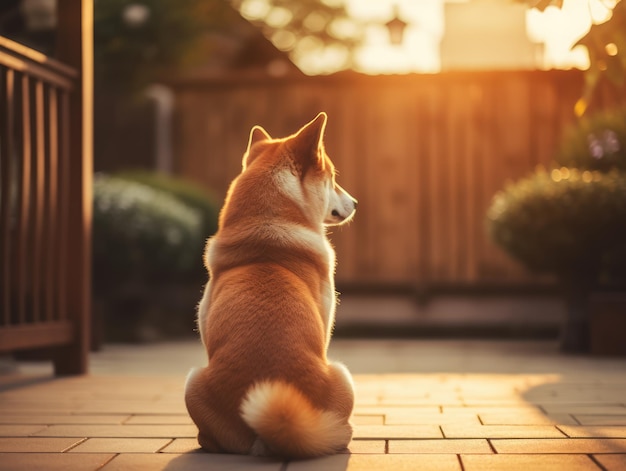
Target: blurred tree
[
  {"x": 135, "y": 41},
  {"x": 307, "y": 29},
  {"x": 606, "y": 44}
]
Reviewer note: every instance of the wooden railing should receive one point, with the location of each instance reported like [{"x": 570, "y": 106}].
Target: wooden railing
[{"x": 37, "y": 196}]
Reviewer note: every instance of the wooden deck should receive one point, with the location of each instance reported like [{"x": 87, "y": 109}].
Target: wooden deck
[{"x": 440, "y": 405}]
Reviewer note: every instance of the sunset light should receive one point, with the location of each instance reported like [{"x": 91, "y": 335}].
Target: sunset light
[{"x": 553, "y": 31}]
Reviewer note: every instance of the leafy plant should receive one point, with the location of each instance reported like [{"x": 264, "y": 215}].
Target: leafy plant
[
  {"x": 141, "y": 233},
  {"x": 566, "y": 221},
  {"x": 596, "y": 142},
  {"x": 606, "y": 44},
  {"x": 307, "y": 28},
  {"x": 185, "y": 191},
  {"x": 135, "y": 41},
  {"x": 149, "y": 232}
]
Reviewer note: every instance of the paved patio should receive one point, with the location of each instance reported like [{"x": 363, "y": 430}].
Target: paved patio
[{"x": 440, "y": 405}]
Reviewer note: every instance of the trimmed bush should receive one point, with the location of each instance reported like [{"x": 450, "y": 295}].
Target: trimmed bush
[
  {"x": 141, "y": 233},
  {"x": 597, "y": 142},
  {"x": 187, "y": 192},
  {"x": 565, "y": 221}
]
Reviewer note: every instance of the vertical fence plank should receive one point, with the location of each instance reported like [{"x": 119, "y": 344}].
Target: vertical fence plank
[
  {"x": 38, "y": 262},
  {"x": 7, "y": 150},
  {"x": 421, "y": 127},
  {"x": 53, "y": 261},
  {"x": 23, "y": 235},
  {"x": 64, "y": 203}
]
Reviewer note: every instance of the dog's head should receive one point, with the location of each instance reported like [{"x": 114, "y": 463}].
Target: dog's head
[{"x": 302, "y": 171}]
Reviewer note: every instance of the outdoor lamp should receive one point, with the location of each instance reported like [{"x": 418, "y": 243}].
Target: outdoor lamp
[{"x": 396, "y": 27}]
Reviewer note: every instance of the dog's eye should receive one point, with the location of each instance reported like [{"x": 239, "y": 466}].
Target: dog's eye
[{"x": 335, "y": 213}]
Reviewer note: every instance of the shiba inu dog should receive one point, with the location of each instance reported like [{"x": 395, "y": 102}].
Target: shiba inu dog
[{"x": 268, "y": 310}]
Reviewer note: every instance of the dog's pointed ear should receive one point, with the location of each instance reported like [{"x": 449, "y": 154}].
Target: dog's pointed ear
[
  {"x": 257, "y": 134},
  {"x": 307, "y": 143}
]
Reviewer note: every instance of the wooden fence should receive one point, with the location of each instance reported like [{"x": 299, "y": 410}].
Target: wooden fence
[
  {"x": 45, "y": 198},
  {"x": 423, "y": 154}
]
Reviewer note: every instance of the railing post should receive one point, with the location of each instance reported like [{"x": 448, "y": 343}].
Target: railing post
[{"x": 75, "y": 48}]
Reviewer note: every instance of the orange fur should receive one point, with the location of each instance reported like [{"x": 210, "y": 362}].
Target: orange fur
[{"x": 268, "y": 309}]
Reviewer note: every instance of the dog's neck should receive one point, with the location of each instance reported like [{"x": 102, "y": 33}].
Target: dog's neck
[{"x": 283, "y": 243}]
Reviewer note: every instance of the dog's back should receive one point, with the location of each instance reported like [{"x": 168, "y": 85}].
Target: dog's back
[{"x": 267, "y": 311}]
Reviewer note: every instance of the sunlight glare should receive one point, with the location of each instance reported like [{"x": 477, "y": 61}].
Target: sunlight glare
[
  {"x": 316, "y": 21},
  {"x": 313, "y": 58},
  {"x": 343, "y": 28},
  {"x": 559, "y": 29},
  {"x": 284, "y": 40},
  {"x": 611, "y": 49},
  {"x": 279, "y": 17},
  {"x": 419, "y": 52},
  {"x": 254, "y": 9}
]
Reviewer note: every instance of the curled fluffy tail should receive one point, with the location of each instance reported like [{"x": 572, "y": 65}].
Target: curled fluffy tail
[{"x": 289, "y": 425}]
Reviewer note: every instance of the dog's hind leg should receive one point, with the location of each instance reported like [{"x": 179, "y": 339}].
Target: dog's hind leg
[
  {"x": 199, "y": 410},
  {"x": 341, "y": 396},
  {"x": 341, "y": 393}
]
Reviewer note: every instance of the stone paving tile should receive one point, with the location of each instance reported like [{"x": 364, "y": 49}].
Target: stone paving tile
[
  {"x": 20, "y": 430},
  {"x": 182, "y": 445},
  {"x": 368, "y": 419},
  {"x": 26, "y": 408},
  {"x": 440, "y": 446},
  {"x": 128, "y": 431},
  {"x": 418, "y": 417},
  {"x": 366, "y": 446},
  {"x": 47, "y": 419},
  {"x": 396, "y": 431},
  {"x": 528, "y": 463},
  {"x": 432, "y": 462},
  {"x": 513, "y": 402},
  {"x": 123, "y": 407},
  {"x": 35, "y": 444},
  {"x": 360, "y": 409},
  {"x": 586, "y": 419},
  {"x": 436, "y": 401},
  {"x": 176, "y": 419},
  {"x": 608, "y": 431},
  {"x": 524, "y": 417},
  {"x": 52, "y": 462},
  {"x": 189, "y": 462},
  {"x": 576, "y": 409},
  {"x": 121, "y": 445},
  {"x": 501, "y": 431},
  {"x": 560, "y": 445},
  {"x": 612, "y": 462}
]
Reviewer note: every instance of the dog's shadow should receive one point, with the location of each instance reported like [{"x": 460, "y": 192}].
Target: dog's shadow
[{"x": 197, "y": 460}]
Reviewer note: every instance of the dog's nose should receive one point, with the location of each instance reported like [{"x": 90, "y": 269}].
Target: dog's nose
[{"x": 356, "y": 203}]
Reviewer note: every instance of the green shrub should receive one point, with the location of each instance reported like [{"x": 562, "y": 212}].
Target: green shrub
[
  {"x": 565, "y": 221},
  {"x": 149, "y": 232},
  {"x": 185, "y": 191},
  {"x": 595, "y": 143},
  {"x": 142, "y": 233}
]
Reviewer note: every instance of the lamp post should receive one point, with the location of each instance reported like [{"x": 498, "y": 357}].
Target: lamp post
[{"x": 396, "y": 27}]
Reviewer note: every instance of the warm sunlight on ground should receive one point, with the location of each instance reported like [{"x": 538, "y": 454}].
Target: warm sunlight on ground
[{"x": 421, "y": 49}]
